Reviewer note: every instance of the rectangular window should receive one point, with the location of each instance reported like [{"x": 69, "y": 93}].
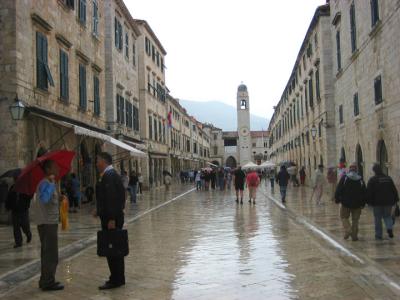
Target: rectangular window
[
  {"x": 378, "y": 90},
  {"x": 70, "y": 3},
  {"x": 306, "y": 98},
  {"x": 148, "y": 83},
  {"x": 153, "y": 53},
  {"x": 135, "y": 118},
  {"x": 82, "y": 87},
  {"x": 95, "y": 20},
  {"x": 302, "y": 106},
  {"x": 353, "y": 30},
  {"x": 374, "y": 12},
  {"x": 43, "y": 74},
  {"x": 64, "y": 80},
  {"x": 82, "y": 11},
  {"x": 338, "y": 54},
  {"x": 96, "y": 95},
  {"x": 158, "y": 59},
  {"x": 150, "y": 128},
  {"x": 162, "y": 64},
  {"x": 147, "y": 46},
  {"x": 155, "y": 129},
  {"x": 160, "y": 131},
  {"x": 317, "y": 88},
  {"x": 356, "y": 105},
  {"x": 133, "y": 54},
  {"x": 128, "y": 114},
  {"x": 126, "y": 45},
  {"x": 341, "y": 120},
  {"x": 311, "y": 91},
  {"x": 120, "y": 40},
  {"x": 122, "y": 109},
  {"x": 116, "y": 33}
]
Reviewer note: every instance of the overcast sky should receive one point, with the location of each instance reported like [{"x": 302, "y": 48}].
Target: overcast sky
[{"x": 213, "y": 45}]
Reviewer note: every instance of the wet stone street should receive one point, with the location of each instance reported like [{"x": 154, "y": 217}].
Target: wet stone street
[{"x": 205, "y": 246}]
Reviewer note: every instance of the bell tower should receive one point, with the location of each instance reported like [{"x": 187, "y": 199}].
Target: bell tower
[{"x": 243, "y": 128}]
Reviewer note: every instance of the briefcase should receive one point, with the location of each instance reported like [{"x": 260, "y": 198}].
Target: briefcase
[{"x": 112, "y": 243}]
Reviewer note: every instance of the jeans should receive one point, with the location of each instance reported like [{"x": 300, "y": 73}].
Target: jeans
[
  {"x": 198, "y": 185},
  {"x": 283, "y": 192},
  {"x": 272, "y": 180},
  {"x": 132, "y": 191},
  {"x": 382, "y": 212}
]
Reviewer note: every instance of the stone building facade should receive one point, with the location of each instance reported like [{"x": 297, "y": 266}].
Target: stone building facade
[
  {"x": 121, "y": 81},
  {"x": 302, "y": 126},
  {"x": 360, "y": 85},
  {"x": 365, "y": 40},
  {"x": 52, "y": 59}
]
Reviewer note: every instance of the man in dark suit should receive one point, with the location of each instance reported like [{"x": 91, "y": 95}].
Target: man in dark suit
[{"x": 110, "y": 198}]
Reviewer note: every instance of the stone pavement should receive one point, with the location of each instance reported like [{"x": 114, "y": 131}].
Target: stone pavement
[
  {"x": 205, "y": 246},
  {"x": 385, "y": 255},
  {"x": 19, "y": 264}
]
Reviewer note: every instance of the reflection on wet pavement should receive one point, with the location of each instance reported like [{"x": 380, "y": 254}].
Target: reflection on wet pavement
[{"x": 204, "y": 246}]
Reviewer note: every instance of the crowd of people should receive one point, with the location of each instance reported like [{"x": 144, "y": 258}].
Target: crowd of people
[{"x": 347, "y": 188}]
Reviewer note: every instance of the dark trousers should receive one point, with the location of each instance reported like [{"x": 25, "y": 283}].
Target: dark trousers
[
  {"x": 20, "y": 221},
  {"x": 140, "y": 191},
  {"x": 115, "y": 264},
  {"x": 48, "y": 234}
]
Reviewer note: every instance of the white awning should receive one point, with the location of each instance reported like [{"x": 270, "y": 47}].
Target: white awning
[{"x": 79, "y": 130}]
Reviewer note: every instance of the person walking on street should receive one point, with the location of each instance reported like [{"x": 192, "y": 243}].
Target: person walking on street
[
  {"x": 292, "y": 170},
  {"x": 198, "y": 180},
  {"x": 19, "y": 204},
  {"x": 46, "y": 215},
  {"x": 110, "y": 195},
  {"x": 140, "y": 183},
  {"x": 283, "y": 179},
  {"x": 125, "y": 181},
  {"x": 221, "y": 179},
  {"x": 229, "y": 179},
  {"x": 382, "y": 195},
  {"x": 319, "y": 181},
  {"x": 253, "y": 181},
  {"x": 351, "y": 193},
  {"x": 73, "y": 191},
  {"x": 239, "y": 178},
  {"x": 302, "y": 175},
  {"x": 168, "y": 180},
  {"x": 331, "y": 176},
  {"x": 271, "y": 175},
  {"x": 133, "y": 184}
]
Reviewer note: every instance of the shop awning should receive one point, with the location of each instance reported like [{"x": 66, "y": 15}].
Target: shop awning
[{"x": 79, "y": 130}]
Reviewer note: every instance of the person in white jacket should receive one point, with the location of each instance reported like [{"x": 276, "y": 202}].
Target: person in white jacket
[{"x": 318, "y": 184}]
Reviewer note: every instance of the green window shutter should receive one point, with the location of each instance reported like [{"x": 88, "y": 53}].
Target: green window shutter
[
  {"x": 118, "y": 109},
  {"x": 64, "y": 80},
  {"x": 40, "y": 72},
  {"x": 122, "y": 109},
  {"x": 116, "y": 35},
  {"x": 96, "y": 95},
  {"x": 120, "y": 41},
  {"x": 82, "y": 87}
]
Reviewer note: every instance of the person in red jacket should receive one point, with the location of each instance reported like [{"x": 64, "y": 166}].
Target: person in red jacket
[{"x": 252, "y": 181}]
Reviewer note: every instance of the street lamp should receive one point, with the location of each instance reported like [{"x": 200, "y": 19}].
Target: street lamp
[
  {"x": 17, "y": 109},
  {"x": 314, "y": 131}
]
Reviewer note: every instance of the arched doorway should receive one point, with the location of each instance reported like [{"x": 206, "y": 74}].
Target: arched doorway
[
  {"x": 359, "y": 161},
  {"x": 342, "y": 155},
  {"x": 382, "y": 156},
  {"x": 231, "y": 162},
  {"x": 85, "y": 164}
]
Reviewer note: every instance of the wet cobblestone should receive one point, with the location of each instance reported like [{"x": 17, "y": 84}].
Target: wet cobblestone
[{"x": 205, "y": 246}]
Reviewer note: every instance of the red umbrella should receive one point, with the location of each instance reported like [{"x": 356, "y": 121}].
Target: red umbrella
[{"x": 32, "y": 174}]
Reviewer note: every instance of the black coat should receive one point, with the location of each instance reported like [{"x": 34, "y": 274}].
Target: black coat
[
  {"x": 351, "y": 193},
  {"x": 381, "y": 191},
  {"x": 110, "y": 196},
  {"x": 16, "y": 202},
  {"x": 283, "y": 178}
]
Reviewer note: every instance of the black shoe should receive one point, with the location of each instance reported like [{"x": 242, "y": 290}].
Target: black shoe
[
  {"x": 254, "y": 201},
  {"x": 237, "y": 200},
  {"x": 55, "y": 287},
  {"x": 29, "y": 237},
  {"x": 108, "y": 286},
  {"x": 390, "y": 233},
  {"x": 250, "y": 201},
  {"x": 241, "y": 201},
  {"x": 17, "y": 245}
]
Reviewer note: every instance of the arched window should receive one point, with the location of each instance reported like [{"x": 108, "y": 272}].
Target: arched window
[
  {"x": 342, "y": 155},
  {"x": 382, "y": 156},
  {"x": 231, "y": 162},
  {"x": 243, "y": 104}
]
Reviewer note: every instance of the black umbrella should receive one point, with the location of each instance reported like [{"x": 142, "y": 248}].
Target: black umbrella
[{"x": 14, "y": 173}]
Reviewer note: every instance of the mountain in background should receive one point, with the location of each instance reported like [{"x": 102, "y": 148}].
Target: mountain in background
[{"x": 221, "y": 115}]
